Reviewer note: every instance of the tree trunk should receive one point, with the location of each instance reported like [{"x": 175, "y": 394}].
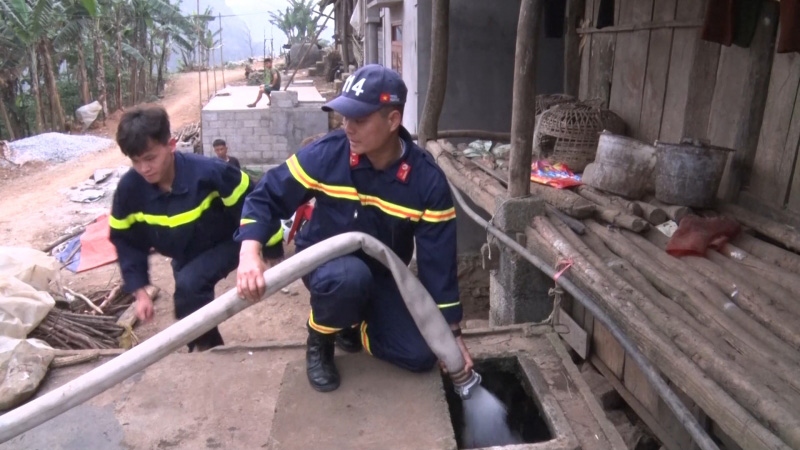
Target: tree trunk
[
  {"x": 37, "y": 96},
  {"x": 161, "y": 63},
  {"x": 100, "y": 69},
  {"x": 6, "y": 121},
  {"x": 118, "y": 62},
  {"x": 15, "y": 125},
  {"x": 83, "y": 76},
  {"x": 134, "y": 70},
  {"x": 437, "y": 83},
  {"x": 52, "y": 87}
]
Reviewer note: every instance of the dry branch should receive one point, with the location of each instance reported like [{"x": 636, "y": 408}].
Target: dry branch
[
  {"x": 653, "y": 214},
  {"x": 610, "y": 201},
  {"x": 674, "y": 212}
]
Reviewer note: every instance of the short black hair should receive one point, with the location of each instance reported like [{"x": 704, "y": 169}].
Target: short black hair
[
  {"x": 266, "y": 60},
  {"x": 218, "y": 142},
  {"x": 141, "y": 124}
]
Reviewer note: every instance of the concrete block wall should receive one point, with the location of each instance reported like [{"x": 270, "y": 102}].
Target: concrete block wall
[{"x": 261, "y": 136}]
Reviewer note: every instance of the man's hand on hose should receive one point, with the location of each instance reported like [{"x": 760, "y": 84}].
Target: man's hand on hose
[
  {"x": 250, "y": 282},
  {"x": 468, "y": 364}
]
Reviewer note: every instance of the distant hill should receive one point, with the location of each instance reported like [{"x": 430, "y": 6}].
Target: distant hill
[{"x": 235, "y": 38}]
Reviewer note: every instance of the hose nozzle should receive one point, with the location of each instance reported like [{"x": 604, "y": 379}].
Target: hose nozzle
[{"x": 465, "y": 382}]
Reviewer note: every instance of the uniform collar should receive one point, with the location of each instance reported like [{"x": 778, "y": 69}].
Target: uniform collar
[{"x": 398, "y": 170}]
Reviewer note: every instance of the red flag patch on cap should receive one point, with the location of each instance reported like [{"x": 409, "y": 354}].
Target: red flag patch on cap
[{"x": 385, "y": 97}]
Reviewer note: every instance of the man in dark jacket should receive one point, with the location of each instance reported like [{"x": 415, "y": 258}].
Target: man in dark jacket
[
  {"x": 184, "y": 206},
  {"x": 368, "y": 177}
]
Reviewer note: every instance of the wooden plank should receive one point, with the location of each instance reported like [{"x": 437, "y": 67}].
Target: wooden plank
[
  {"x": 630, "y": 64},
  {"x": 670, "y": 423},
  {"x": 680, "y": 66},
  {"x": 572, "y": 57},
  {"x": 647, "y": 417},
  {"x": 754, "y": 98},
  {"x": 574, "y": 335},
  {"x": 773, "y": 164},
  {"x": 602, "y": 62},
  {"x": 703, "y": 78},
  {"x": 655, "y": 79},
  {"x": 638, "y": 385},
  {"x": 793, "y": 202},
  {"x": 586, "y": 50},
  {"x": 607, "y": 348}
]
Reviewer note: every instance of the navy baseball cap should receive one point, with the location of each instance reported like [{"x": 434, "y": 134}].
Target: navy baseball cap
[{"x": 369, "y": 89}]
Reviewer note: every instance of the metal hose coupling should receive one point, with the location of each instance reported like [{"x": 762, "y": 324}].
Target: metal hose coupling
[{"x": 465, "y": 382}]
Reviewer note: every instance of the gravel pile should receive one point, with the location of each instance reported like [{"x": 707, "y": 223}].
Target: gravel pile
[{"x": 55, "y": 147}]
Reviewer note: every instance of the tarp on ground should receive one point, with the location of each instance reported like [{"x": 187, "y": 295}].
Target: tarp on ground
[{"x": 93, "y": 248}]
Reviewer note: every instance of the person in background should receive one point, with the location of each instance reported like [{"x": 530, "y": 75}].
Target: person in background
[
  {"x": 185, "y": 206},
  {"x": 221, "y": 149},
  {"x": 272, "y": 82}
]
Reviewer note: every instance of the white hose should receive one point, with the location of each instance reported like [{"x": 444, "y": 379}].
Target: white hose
[{"x": 423, "y": 309}]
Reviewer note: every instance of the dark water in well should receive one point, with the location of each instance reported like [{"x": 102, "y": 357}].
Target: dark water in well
[{"x": 506, "y": 396}]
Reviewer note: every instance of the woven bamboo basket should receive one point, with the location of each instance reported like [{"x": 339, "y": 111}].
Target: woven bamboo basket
[
  {"x": 568, "y": 133},
  {"x": 547, "y": 101}
]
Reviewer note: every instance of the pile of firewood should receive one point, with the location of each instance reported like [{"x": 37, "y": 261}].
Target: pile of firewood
[
  {"x": 103, "y": 319},
  {"x": 189, "y": 136}
]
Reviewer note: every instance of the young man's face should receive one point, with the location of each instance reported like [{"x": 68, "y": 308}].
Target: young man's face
[
  {"x": 155, "y": 164},
  {"x": 370, "y": 133},
  {"x": 221, "y": 151},
  {"x": 268, "y": 64}
]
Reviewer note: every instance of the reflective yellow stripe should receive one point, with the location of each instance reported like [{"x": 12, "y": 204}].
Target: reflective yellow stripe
[
  {"x": 164, "y": 221},
  {"x": 389, "y": 208},
  {"x": 449, "y": 305},
  {"x": 439, "y": 216},
  {"x": 350, "y": 193},
  {"x": 321, "y": 328},
  {"x": 365, "y": 338},
  {"x": 304, "y": 179},
  {"x": 238, "y": 192},
  {"x": 277, "y": 237},
  {"x": 246, "y": 221}
]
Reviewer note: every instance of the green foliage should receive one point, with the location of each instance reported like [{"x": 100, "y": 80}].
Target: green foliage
[{"x": 298, "y": 22}]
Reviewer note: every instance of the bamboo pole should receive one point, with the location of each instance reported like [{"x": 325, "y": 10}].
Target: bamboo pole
[
  {"x": 221, "y": 58},
  {"x": 782, "y": 233},
  {"x": 768, "y": 252},
  {"x": 437, "y": 81},
  {"x": 523, "y": 106},
  {"x": 702, "y": 301},
  {"x": 730, "y": 415}
]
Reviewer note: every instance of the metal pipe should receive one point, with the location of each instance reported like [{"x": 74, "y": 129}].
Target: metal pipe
[
  {"x": 675, "y": 404},
  {"x": 423, "y": 309}
]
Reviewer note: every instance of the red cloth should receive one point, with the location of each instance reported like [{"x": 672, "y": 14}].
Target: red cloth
[
  {"x": 718, "y": 25},
  {"x": 96, "y": 247},
  {"x": 302, "y": 214},
  {"x": 696, "y": 234},
  {"x": 789, "y": 30}
]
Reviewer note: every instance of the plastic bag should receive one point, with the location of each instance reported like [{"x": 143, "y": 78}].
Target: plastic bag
[
  {"x": 29, "y": 266},
  {"x": 557, "y": 175},
  {"x": 23, "y": 365},
  {"x": 22, "y": 307},
  {"x": 87, "y": 114}
]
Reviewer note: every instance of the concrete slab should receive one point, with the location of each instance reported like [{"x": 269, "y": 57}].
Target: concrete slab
[
  {"x": 377, "y": 406},
  {"x": 236, "y": 98},
  {"x": 185, "y": 401}
]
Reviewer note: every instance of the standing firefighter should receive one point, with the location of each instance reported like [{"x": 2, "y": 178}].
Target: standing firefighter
[
  {"x": 185, "y": 206},
  {"x": 368, "y": 177}
]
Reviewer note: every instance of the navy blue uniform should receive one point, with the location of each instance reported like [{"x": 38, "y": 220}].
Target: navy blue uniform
[
  {"x": 407, "y": 203},
  {"x": 193, "y": 224}
]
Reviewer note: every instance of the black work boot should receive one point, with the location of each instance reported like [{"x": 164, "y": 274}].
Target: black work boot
[
  {"x": 321, "y": 370},
  {"x": 349, "y": 340}
]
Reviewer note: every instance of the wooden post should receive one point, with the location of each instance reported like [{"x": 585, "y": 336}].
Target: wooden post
[
  {"x": 572, "y": 43},
  {"x": 343, "y": 24},
  {"x": 221, "y": 58},
  {"x": 523, "y": 107},
  {"x": 437, "y": 81}
]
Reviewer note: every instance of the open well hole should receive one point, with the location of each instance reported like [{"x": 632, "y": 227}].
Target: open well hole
[{"x": 504, "y": 378}]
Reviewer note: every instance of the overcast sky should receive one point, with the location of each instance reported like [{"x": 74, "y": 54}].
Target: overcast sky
[{"x": 255, "y": 14}]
